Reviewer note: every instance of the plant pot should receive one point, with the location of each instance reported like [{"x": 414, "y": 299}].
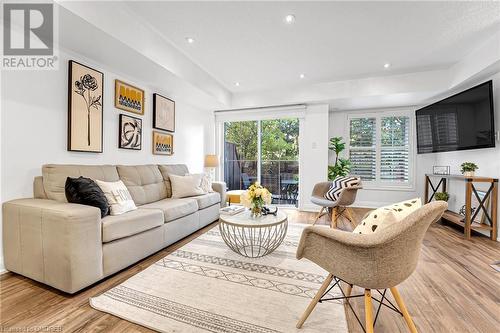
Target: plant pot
[{"x": 469, "y": 174}]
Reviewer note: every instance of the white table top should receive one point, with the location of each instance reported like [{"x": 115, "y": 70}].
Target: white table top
[{"x": 245, "y": 219}]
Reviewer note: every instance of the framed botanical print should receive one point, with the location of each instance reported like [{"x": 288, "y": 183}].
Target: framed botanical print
[
  {"x": 163, "y": 143},
  {"x": 85, "y": 111},
  {"x": 130, "y": 133},
  {"x": 163, "y": 113},
  {"x": 129, "y": 98}
]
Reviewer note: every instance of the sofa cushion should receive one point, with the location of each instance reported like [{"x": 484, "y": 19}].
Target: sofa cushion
[
  {"x": 144, "y": 182},
  {"x": 207, "y": 200},
  {"x": 54, "y": 177},
  {"x": 174, "y": 169},
  {"x": 130, "y": 223},
  {"x": 174, "y": 208}
]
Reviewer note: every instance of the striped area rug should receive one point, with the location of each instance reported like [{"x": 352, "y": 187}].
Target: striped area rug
[{"x": 205, "y": 287}]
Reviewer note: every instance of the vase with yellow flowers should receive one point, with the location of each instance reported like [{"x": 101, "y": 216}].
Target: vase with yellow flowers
[{"x": 255, "y": 198}]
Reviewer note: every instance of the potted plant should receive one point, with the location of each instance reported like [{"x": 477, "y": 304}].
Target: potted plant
[
  {"x": 468, "y": 168},
  {"x": 342, "y": 166},
  {"x": 443, "y": 196}
]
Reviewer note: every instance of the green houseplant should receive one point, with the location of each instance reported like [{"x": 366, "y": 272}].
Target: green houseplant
[
  {"x": 443, "y": 196},
  {"x": 342, "y": 166},
  {"x": 468, "y": 169}
]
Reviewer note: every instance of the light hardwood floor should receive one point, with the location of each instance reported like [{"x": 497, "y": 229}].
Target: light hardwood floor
[{"x": 453, "y": 290}]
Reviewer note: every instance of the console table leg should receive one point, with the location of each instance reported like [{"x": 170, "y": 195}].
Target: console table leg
[
  {"x": 494, "y": 211},
  {"x": 468, "y": 198}
]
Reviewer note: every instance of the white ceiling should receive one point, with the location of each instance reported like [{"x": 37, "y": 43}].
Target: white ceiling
[{"x": 249, "y": 42}]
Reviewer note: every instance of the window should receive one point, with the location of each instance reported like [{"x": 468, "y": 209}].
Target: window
[
  {"x": 380, "y": 149},
  {"x": 265, "y": 151}
]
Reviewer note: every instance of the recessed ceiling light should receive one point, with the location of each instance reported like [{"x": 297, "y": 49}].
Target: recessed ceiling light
[
  {"x": 387, "y": 65},
  {"x": 290, "y": 18},
  {"x": 302, "y": 76},
  {"x": 190, "y": 40},
  {"x": 237, "y": 84}
]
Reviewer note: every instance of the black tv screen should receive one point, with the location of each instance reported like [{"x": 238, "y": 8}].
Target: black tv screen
[{"x": 462, "y": 121}]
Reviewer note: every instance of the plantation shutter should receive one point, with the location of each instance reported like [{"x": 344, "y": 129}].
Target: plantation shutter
[
  {"x": 362, "y": 148},
  {"x": 394, "y": 149}
]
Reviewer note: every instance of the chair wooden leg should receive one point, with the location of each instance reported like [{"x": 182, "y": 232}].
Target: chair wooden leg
[
  {"x": 315, "y": 300},
  {"x": 319, "y": 215},
  {"x": 368, "y": 311},
  {"x": 350, "y": 217},
  {"x": 403, "y": 309},
  {"x": 348, "y": 292},
  {"x": 333, "y": 223}
]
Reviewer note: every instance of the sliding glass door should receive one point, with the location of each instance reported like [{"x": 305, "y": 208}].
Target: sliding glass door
[{"x": 263, "y": 150}]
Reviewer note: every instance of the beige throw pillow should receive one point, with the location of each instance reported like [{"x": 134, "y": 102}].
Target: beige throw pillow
[
  {"x": 186, "y": 186},
  {"x": 206, "y": 182},
  {"x": 118, "y": 196},
  {"x": 383, "y": 217}
]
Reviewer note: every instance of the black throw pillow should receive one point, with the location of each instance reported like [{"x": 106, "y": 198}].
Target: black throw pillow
[{"x": 85, "y": 191}]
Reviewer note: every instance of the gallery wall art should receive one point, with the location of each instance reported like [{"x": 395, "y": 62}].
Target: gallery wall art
[
  {"x": 130, "y": 132},
  {"x": 85, "y": 111},
  {"x": 129, "y": 98},
  {"x": 163, "y": 113},
  {"x": 163, "y": 143}
]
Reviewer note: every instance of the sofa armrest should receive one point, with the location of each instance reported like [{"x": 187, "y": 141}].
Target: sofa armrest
[
  {"x": 56, "y": 243},
  {"x": 220, "y": 187}
]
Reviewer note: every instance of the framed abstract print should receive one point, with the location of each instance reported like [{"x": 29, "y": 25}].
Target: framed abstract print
[
  {"x": 129, "y": 98},
  {"x": 163, "y": 113},
  {"x": 130, "y": 132},
  {"x": 85, "y": 111},
  {"x": 163, "y": 143}
]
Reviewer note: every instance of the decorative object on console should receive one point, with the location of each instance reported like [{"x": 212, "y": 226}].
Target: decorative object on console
[
  {"x": 186, "y": 186},
  {"x": 211, "y": 163},
  {"x": 383, "y": 217},
  {"x": 163, "y": 113},
  {"x": 255, "y": 198},
  {"x": 443, "y": 196},
  {"x": 130, "y": 133},
  {"x": 468, "y": 169},
  {"x": 129, "y": 98},
  {"x": 342, "y": 166},
  {"x": 85, "y": 111},
  {"x": 85, "y": 191},
  {"x": 118, "y": 197},
  {"x": 163, "y": 144},
  {"x": 441, "y": 169}
]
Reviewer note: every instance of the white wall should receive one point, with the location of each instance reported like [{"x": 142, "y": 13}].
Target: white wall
[
  {"x": 313, "y": 151},
  {"x": 34, "y": 128}
]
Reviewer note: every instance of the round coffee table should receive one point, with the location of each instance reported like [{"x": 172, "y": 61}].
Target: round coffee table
[{"x": 253, "y": 237}]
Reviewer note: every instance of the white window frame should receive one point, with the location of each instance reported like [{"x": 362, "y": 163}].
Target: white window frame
[{"x": 378, "y": 184}]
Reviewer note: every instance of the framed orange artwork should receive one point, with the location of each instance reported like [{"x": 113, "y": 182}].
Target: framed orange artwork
[{"x": 129, "y": 98}]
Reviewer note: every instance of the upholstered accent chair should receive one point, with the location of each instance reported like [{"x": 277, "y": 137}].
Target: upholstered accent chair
[
  {"x": 337, "y": 208},
  {"x": 375, "y": 262}
]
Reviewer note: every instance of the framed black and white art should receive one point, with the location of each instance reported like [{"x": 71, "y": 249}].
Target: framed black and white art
[
  {"x": 163, "y": 113},
  {"x": 130, "y": 133},
  {"x": 85, "y": 96}
]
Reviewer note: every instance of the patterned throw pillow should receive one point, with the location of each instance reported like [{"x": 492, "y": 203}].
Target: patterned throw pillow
[
  {"x": 118, "y": 196},
  {"x": 338, "y": 184},
  {"x": 206, "y": 181},
  {"x": 383, "y": 217}
]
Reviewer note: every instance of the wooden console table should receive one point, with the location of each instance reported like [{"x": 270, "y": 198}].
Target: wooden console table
[{"x": 467, "y": 222}]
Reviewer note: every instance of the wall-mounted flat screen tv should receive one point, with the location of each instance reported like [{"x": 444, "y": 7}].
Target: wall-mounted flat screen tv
[{"x": 462, "y": 121}]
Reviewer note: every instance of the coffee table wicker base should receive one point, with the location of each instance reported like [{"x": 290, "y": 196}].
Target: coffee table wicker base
[{"x": 253, "y": 241}]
